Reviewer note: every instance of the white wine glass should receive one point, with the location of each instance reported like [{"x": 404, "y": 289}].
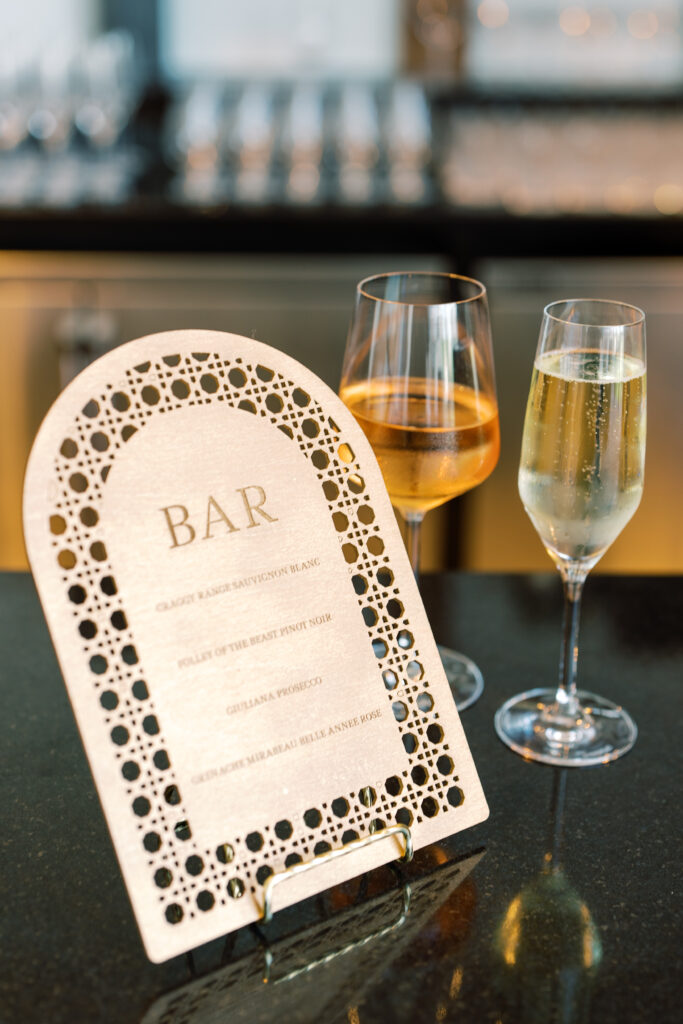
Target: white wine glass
[
  {"x": 580, "y": 480},
  {"x": 418, "y": 376}
]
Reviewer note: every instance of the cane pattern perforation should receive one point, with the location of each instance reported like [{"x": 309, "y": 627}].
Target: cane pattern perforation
[{"x": 189, "y": 879}]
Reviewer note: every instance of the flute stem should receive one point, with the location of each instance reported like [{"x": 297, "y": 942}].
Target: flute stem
[{"x": 566, "y": 692}]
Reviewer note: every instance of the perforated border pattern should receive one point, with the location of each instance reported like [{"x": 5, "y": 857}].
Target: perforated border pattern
[{"x": 190, "y": 880}]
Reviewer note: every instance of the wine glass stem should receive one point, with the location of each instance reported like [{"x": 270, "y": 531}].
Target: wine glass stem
[
  {"x": 413, "y": 536},
  {"x": 566, "y": 692}
]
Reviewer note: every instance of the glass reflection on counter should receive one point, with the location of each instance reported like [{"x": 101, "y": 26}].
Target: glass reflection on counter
[
  {"x": 547, "y": 947},
  {"x": 425, "y": 980}
]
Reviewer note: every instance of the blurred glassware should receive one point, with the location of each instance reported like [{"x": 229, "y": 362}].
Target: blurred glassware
[
  {"x": 566, "y": 161},
  {"x": 50, "y": 121},
  {"x": 408, "y": 141},
  {"x": 303, "y": 124},
  {"x": 108, "y": 91},
  {"x": 252, "y": 142},
  {"x": 193, "y": 141},
  {"x": 356, "y": 142},
  {"x": 18, "y": 170},
  {"x": 302, "y": 141},
  {"x": 63, "y": 109},
  {"x": 408, "y": 125},
  {"x": 13, "y": 99},
  {"x": 109, "y": 86}
]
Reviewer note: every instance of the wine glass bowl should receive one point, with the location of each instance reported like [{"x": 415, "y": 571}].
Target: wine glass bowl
[
  {"x": 580, "y": 480},
  {"x": 418, "y": 377}
]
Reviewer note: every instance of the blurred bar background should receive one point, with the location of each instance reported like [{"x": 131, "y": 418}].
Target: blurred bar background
[{"x": 240, "y": 165}]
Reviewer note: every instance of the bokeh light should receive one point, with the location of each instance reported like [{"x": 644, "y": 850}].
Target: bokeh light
[
  {"x": 493, "y": 13},
  {"x": 575, "y": 21}
]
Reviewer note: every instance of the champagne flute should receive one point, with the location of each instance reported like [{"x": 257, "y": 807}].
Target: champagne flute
[
  {"x": 580, "y": 480},
  {"x": 418, "y": 376}
]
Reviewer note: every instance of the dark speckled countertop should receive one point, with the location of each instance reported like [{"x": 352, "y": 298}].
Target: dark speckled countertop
[{"x": 570, "y": 913}]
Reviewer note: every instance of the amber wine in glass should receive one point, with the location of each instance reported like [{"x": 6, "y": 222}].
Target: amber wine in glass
[
  {"x": 580, "y": 480},
  {"x": 418, "y": 377},
  {"x": 430, "y": 447}
]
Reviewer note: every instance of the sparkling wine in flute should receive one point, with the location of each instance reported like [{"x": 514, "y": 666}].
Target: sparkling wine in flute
[
  {"x": 432, "y": 441},
  {"x": 583, "y": 451}
]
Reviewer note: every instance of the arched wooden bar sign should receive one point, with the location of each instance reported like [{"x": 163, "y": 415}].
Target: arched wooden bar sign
[{"x": 240, "y": 633}]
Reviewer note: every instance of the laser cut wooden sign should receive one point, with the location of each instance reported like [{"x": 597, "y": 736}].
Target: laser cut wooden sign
[{"x": 243, "y": 643}]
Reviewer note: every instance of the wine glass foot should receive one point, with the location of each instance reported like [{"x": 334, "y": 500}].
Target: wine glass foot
[
  {"x": 464, "y": 677},
  {"x": 534, "y": 726}
]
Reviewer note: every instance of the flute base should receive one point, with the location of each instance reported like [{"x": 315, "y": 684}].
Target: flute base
[
  {"x": 536, "y": 727},
  {"x": 464, "y": 677}
]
